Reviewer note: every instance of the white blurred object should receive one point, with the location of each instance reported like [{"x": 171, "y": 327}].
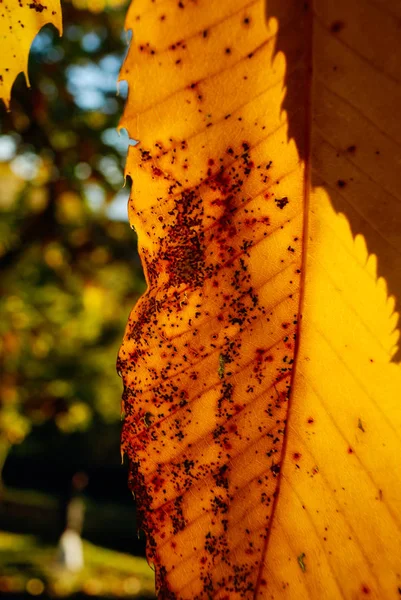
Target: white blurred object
[{"x": 70, "y": 550}]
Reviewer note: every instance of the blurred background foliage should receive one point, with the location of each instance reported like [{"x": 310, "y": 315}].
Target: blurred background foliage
[{"x": 70, "y": 275}]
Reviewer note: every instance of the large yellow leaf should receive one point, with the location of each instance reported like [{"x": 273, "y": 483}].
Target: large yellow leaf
[
  {"x": 20, "y": 21},
  {"x": 262, "y": 398}
]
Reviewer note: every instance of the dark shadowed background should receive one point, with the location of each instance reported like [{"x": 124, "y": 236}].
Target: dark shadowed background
[{"x": 70, "y": 275}]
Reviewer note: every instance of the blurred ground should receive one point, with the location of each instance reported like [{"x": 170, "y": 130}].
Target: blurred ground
[
  {"x": 69, "y": 275},
  {"x": 29, "y": 568}
]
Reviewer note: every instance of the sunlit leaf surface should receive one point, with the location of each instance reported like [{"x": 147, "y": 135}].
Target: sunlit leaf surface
[
  {"x": 20, "y": 21},
  {"x": 262, "y": 398}
]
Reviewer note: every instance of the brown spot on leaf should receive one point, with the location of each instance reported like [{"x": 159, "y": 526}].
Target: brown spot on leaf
[
  {"x": 37, "y": 6},
  {"x": 337, "y": 26},
  {"x": 281, "y": 202}
]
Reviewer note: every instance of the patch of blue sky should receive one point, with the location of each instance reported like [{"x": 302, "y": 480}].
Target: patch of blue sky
[
  {"x": 118, "y": 140},
  {"x": 91, "y": 41},
  {"x": 8, "y": 147},
  {"x": 90, "y": 83},
  {"x": 117, "y": 209},
  {"x": 42, "y": 42}
]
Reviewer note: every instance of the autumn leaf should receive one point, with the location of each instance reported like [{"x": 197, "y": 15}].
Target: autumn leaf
[
  {"x": 20, "y": 21},
  {"x": 261, "y": 389}
]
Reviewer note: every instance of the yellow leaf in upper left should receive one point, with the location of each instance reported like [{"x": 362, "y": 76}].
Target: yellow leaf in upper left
[{"x": 20, "y": 21}]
